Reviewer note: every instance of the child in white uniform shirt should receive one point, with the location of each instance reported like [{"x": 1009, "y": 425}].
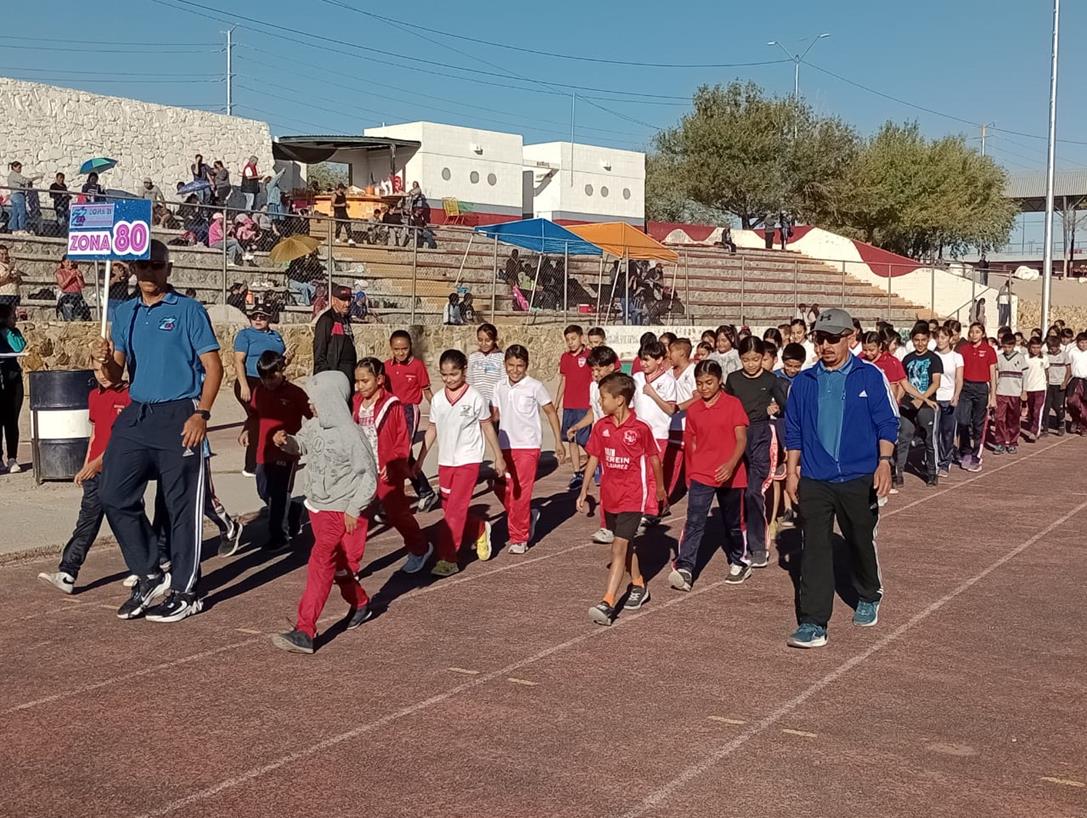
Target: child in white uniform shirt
[
  {"x": 679, "y": 354},
  {"x": 655, "y": 402},
  {"x": 518, "y": 400}
]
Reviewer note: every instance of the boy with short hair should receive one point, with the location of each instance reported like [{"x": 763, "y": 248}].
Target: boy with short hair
[
  {"x": 596, "y": 337},
  {"x": 924, "y": 372},
  {"x": 655, "y": 405},
  {"x": 1058, "y": 371},
  {"x": 408, "y": 379},
  {"x": 104, "y": 403},
  {"x": 624, "y": 446},
  {"x": 572, "y": 395},
  {"x": 1011, "y": 368},
  {"x": 276, "y": 404},
  {"x": 977, "y": 396},
  {"x": 679, "y": 356},
  {"x": 603, "y": 361}
]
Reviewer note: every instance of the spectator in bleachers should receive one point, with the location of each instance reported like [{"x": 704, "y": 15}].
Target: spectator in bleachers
[
  {"x": 512, "y": 269},
  {"x": 71, "y": 305},
  {"x": 201, "y": 172},
  {"x": 273, "y": 195},
  {"x": 250, "y": 183},
  {"x": 19, "y": 184},
  {"x": 91, "y": 188},
  {"x": 219, "y": 236},
  {"x": 424, "y": 236},
  {"x": 451, "y": 312},
  {"x": 786, "y": 229},
  {"x": 245, "y": 233},
  {"x": 302, "y": 277},
  {"x": 768, "y": 233},
  {"x": 468, "y": 309},
  {"x": 220, "y": 180},
  {"x": 10, "y": 278},
  {"x": 726, "y": 239},
  {"x": 151, "y": 191},
  {"x": 58, "y": 192},
  {"x": 162, "y": 216}
]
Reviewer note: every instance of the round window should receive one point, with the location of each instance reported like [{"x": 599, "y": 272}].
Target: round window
[
  {"x": 588, "y": 190},
  {"x": 492, "y": 180},
  {"x": 626, "y": 193},
  {"x": 473, "y": 177},
  {"x": 604, "y": 192},
  {"x": 447, "y": 174}
]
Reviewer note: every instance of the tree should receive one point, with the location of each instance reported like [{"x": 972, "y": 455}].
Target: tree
[
  {"x": 326, "y": 175},
  {"x": 922, "y": 197},
  {"x": 743, "y": 153}
]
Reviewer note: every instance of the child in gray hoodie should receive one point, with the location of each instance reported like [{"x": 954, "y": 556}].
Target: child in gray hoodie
[{"x": 340, "y": 482}]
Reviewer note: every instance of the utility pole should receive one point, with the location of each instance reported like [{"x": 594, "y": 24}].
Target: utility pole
[
  {"x": 984, "y": 135},
  {"x": 1047, "y": 251},
  {"x": 797, "y": 59},
  {"x": 230, "y": 72},
  {"x": 573, "y": 114}
]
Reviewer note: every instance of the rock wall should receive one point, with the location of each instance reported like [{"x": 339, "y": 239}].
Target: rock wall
[
  {"x": 1030, "y": 315},
  {"x": 66, "y": 345},
  {"x": 51, "y": 129}
]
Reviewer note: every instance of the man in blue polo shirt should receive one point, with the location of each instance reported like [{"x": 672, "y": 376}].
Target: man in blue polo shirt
[
  {"x": 167, "y": 344},
  {"x": 840, "y": 434}
]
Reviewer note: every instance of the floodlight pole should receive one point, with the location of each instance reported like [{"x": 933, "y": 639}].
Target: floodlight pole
[
  {"x": 230, "y": 72},
  {"x": 797, "y": 59},
  {"x": 1047, "y": 251}
]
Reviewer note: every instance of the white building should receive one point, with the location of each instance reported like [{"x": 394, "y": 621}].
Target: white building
[{"x": 585, "y": 183}]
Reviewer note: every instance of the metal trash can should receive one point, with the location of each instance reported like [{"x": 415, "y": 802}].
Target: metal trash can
[{"x": 59, "y": 425}]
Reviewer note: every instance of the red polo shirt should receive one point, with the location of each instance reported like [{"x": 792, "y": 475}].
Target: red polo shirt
[
  {"x": 976, "y": 361},
  {"x": 103, "y": 407},
  {"x": 283, "y": 408},
  {"x": 710, "y": 440},
  {"x": 407, "y": 380},
  {"x": 574, "y": 366},
  {"x": 892, "y": 367},
  {"x": 624, "y": 452}
]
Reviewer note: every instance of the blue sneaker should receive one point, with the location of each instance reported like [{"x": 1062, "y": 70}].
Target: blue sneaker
[
  {"x": 867, "y": 614},
  {"x": 808, "y": 635}
]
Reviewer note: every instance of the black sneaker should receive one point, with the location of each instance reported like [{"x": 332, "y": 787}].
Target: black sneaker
[
  {"x": 761, "y": 561},
  {"x": 293, "y": 642},
  {"x": 602, "y": 613},
  {"x": 145, "y": 589},
  {"x": 932, "y": 480},
  {"x": 898, "y": 481},
  {"x": 681, "y": 579},
  {"x": 176, "y": 607},
  {"x": 638, "y": 596},
  {"x": 231, "y": 539},
  {"x": 788, "y": 518},
  {"x": 358, "y": 616},
  {"x": 428, "y": 502}
]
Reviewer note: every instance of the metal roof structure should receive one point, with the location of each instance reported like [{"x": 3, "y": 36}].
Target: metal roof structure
[
  {"x": 313, "y": 149},
  {"x": 1028, "y": 189}
]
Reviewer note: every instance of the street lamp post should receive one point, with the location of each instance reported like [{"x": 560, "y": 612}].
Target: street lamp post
[
  {"x": 1047, "y": 250},
  {"x": 797, "y": 59}
]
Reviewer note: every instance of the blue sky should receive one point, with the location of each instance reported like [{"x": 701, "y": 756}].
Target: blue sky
[{"x": 978, "y": 61}]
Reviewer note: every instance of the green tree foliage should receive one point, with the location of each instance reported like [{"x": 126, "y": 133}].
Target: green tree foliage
[
  {"x": 326, "y": 175},
  {"x": 742, "y": 153}
]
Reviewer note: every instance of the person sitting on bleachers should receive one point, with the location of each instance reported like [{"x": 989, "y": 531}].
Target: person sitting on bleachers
[{"x": 726, "y": 242}]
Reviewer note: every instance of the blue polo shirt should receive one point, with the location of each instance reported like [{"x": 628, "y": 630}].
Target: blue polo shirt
[
  {"x": 254, "y": 342},
  {"x": 831, "y": 399},
  {"x": 167, "y": 340}
]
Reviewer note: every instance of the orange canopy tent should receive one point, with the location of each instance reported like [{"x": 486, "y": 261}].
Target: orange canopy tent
[{"x": 621, "y": 240}]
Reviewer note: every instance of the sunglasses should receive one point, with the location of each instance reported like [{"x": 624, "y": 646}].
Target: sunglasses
[
  {"x": 828, "y": 338},
  {"x": 149, "y": 265}
]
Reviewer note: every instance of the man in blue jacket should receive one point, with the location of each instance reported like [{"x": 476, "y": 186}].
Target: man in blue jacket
[{"x": 840, "y": 433}]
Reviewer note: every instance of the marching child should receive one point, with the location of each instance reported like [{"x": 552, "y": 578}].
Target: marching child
[
  {"x": 518, "y": 401},
  {"x": 276, "y": 404},
  {"x": 655, "y": 405},
  {"x": 947, "y": 398},
  {"x": 1011, "y": 367},
  {"x": 1034, "y": 384},
  {"x": 485, "y": 368},
  {"x": 624, "y": 446},
  {"x": 760, "y": 392},
  {"x": 596, "y": 337},
  {"x": 573, "y": 395},
  {"x": 460, "y": 422},
  {"x": 1058, "y": 371},
  {"x": 379, "y": 414},
  {"x": 714, "y": 444},
  {"x": 679, "y": 355},
  {"x": 104, "y": 403},
  {"x": 603, "y": 361},
  {"x": 407, "y": 378},
  {"x": 341, "y": 478},
  {"x": 725, "y": 353}
]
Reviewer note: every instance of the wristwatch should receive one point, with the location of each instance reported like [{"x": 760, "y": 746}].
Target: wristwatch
[
  {"x": 888, "y": 458},
  {"x": 204, "y": 413}
]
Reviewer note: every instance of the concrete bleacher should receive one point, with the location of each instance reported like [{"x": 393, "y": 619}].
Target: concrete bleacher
[{"x": 710, "y": 286}]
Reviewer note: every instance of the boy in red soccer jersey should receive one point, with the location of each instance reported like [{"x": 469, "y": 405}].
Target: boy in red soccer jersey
[
  {"x": 572, "y": 395},
  {"x": 625, "y": 449}
]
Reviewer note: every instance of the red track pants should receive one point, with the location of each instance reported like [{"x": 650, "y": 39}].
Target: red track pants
[
  {"x": 516, "y": 491},
  {"x": 671, "y": 463},
  {"x": 456, "y": 484},
  {"x": 398, "y": 513},
  {"x": 1008, "y": 414},
  {"x": 335, "y": 558}
]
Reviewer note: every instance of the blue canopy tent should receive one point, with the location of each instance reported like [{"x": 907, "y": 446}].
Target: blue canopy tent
[{"x": 540, "y": 236}]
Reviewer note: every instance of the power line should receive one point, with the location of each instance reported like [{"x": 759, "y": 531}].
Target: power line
[
  {"x": 96, "y": 50},
  {"x": 541, "y": 53},
  {"x": 81, "y": 73},
  {"x": 83, "y": 41},
  {"x": 93, "y": 81}
]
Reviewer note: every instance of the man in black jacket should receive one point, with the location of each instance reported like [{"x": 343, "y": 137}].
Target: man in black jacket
[{"x": 333, "y": 344}]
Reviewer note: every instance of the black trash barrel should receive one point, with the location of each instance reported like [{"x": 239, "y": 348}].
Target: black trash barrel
[{"x": 59, "y": 427}]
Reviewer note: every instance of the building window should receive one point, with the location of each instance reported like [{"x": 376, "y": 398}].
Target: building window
[
  {"x": 604, "y": 192},
  {"x": 588, "y": 190},
  {"x": 626, "y": 193},
  {"x": 473, "y": 177},
  {"x": 446, "y": 174},
  {"x": 492, "y": 180}
]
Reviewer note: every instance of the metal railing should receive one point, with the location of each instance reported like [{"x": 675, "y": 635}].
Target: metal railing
[{"x": 406, "y": 273}]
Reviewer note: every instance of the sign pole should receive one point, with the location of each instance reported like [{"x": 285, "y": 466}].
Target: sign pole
[{"x": 103, "y": 299}]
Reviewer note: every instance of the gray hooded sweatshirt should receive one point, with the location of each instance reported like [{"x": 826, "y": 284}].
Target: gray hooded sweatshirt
[{"x": 341, "y": 472}]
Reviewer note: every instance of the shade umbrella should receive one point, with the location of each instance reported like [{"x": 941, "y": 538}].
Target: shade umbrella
[
  {"x": 194, "y": 186},
  {"x": 292, "y": 247},
  {"x": 97, "y": 165}
]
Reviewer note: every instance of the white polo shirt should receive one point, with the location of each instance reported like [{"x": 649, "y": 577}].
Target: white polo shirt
[
  {"x": 519, "y": 407},
  {"x": 646, "y": 408},
  {"x": 460, "y": 438},
  {"x": 1078, "y": 358},
  {"x": 594, "y": 401},
  {"x": 685, "y": 387}
]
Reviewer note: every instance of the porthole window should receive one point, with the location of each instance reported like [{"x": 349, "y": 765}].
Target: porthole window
[
  {"x": 446, "y": 174},
  {"x": 604, "y": 192},
  {"x": 626, "y": 193},
  {"x": 492, "y": 180},
  {"x": 473, "y": 177},
  {"x": 588, "y": 190}
]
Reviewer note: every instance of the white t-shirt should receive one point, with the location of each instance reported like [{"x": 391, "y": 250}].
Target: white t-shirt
[
  {"x": 1078, "y": 358},
  {"x": 519, "y": 407},
  {"x": 594, "y": 401},
  {"x": 952, "y": 362},
  {"x": 685, "y": 387},
  {"x": 810, "y": 358},
  {"x": 485, "y": 371},
  {"x": 729, "y": 361},
  {"x": 460, "y": 438},
  {"x": 1034, "y": 379},
  {"x": 646, "y": 408}
]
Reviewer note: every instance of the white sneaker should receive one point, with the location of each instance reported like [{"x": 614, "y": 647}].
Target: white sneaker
[
  {"x": 13, "y": 466},
  {"x": 130, "y": 581},
  {"x": 604, "y": 537},
  {"x": 61, "y": 580},
  {"x": 534, "y": 518},
  {"x": 518, "y": 548},
  {"x": 416, "y": 562}
]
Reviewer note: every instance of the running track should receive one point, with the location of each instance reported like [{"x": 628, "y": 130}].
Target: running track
[{"x": 489, "y": 694}]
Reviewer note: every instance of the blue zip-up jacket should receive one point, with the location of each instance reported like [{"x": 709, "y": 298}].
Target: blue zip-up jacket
[{"x": 869, "y": 416}]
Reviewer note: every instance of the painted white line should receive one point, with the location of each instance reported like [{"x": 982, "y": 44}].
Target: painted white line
[
  {"x": 724, "y": 720},
  {"x": 524, "y": 682},
  {"x": 801, "y": 733},
  {"x": 73, "y": 605},
  {"x": 147, "y": 671},
  {"x": 653, "y": 802},
  {"x": 463, "y": 670},
  {"x": 1064, "y": 782},
  {"x": 248, "y": 630},
  {"x": 412, "y": 709}
]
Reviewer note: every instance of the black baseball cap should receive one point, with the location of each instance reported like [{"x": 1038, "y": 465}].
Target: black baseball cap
[{"x": 342, "y": 292}]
